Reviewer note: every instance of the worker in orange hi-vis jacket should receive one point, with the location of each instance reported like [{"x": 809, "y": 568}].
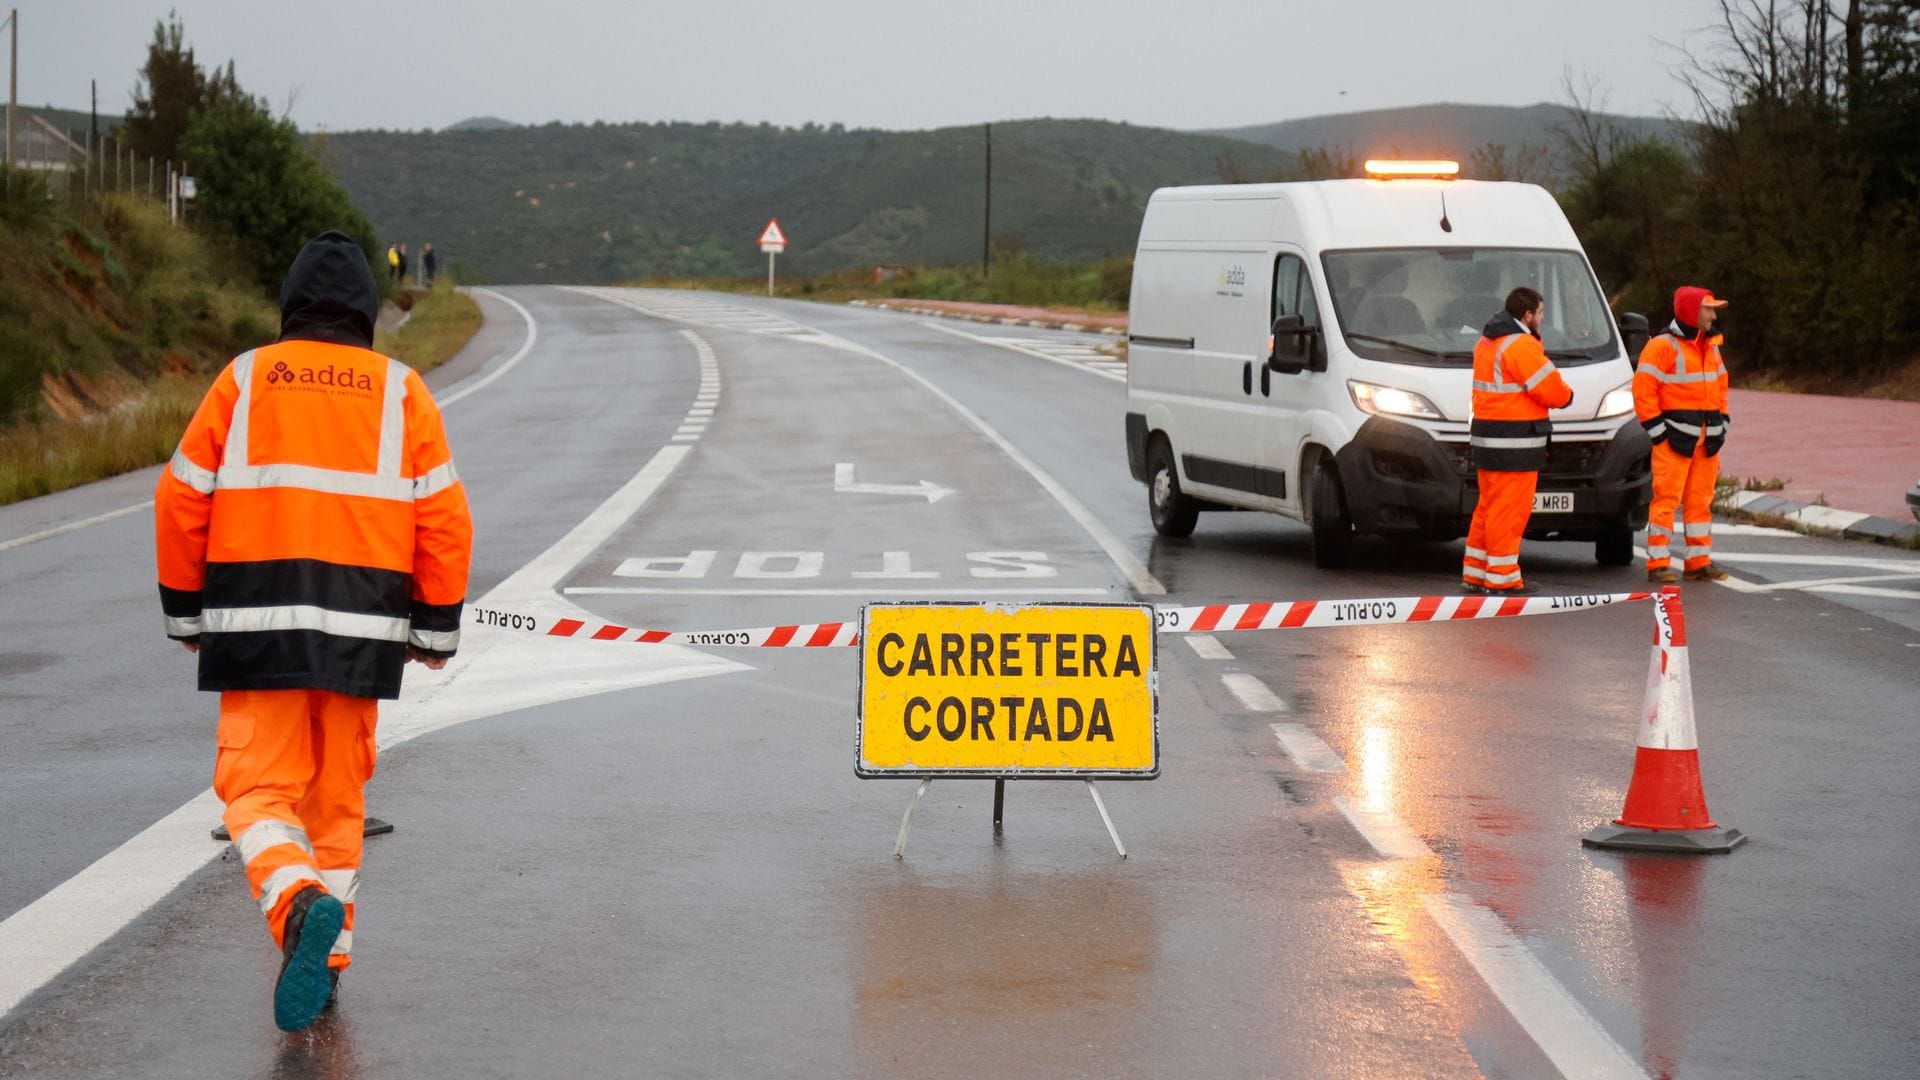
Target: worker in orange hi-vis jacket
[
  {"x": 313, "y": 537},
  {"x": 1514, "y": 386},
  {"x": 1680, "y": 396}
]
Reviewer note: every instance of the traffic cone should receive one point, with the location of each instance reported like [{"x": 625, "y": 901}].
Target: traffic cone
[{"x": 1666, "y": 808}]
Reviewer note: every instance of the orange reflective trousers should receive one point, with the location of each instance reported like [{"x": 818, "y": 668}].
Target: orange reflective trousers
[
  {"x": 292, "y": 768},
  {"x": 1685, "y": 483},
  {"x": 1499, "y": 520}
]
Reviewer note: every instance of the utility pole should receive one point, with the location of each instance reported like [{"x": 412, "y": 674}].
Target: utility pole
[
  {"x": 986, "y": 233},
  {"x": 13, "y": 80},
  {"x": 93, "y": 130}
]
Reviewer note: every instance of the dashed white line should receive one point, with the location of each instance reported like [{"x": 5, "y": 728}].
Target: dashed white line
[
  {"x": 1253, "y": 693},
  {"x": 1026, "y": 349},
  {"x": 1383, "y": 830},
  {"x": 72, "y": 526},
  {"x": 1208, "y": 647},
  {"x": 1307, "y": 750},
  {"x": 1571, "y": 1038}
]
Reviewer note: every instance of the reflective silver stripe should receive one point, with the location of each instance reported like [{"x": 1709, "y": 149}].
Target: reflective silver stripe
[
  {"x": 342, "y": 945},
  {"x": 1473, "y": 572},
  {"x": 1502, "y": 560},
  {"x": 313, "y": 478},
  {"x": 279, "y": 882},
  {"x": 1716, "y": 429},
  {"x": 1688, "y": 428},
  {"x": 1495, "y": 442},
  {"x": 343, "y": 884},
  {"x": 235, "y": 452},
  {"x": 186, "y": 627},
  {"x": 1475, "y": 553},
  {"x": 1657, "y": 430},
  {"x": 436, "y": 640},
  {"x": 268, "y": 833},
  {"x": 1499, "y": 385},
  {"x": 434, "y": 481},
  {"x": 248, "y": 620},
  {"x": 1679, "y": 350},
  {"x": 1684, "y": 377},
  {"x": 1698, "y": 528},
  {"x": 1495, "y": 387},
  {"x": 195, "y": 477},
  {"x": 1694, "y": 551},
  {"x": 393, "y": 420},
  {"x": 1503, "y": 579},
  {"x": 1540, "y": 376}
]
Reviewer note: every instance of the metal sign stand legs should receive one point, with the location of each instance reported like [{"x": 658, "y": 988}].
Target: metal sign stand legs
[{"x": 999, "y": 808}]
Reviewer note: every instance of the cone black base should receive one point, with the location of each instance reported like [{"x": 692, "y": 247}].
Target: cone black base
[{"x": 1684, "y": 841}]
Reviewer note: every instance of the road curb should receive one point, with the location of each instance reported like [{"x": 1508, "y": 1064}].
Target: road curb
[
  {"x": 1003, "y": 320},
  {"x": 1812, "y": 517}
]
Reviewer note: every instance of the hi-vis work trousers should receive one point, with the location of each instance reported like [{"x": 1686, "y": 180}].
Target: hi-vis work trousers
[
  {"x": 292, "y": 769},
  {"x": 1687, "y": 484},
  {"x": 1499, "y": 520}
]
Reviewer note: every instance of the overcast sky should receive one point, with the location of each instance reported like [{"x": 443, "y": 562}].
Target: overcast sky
[{"x": 412, "y": 64}]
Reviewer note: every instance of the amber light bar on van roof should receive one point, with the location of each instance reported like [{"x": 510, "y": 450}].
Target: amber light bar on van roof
[{"x": 1389, "y": 169}]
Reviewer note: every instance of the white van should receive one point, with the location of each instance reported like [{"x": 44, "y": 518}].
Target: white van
[{"x": 1307, "y": 349}]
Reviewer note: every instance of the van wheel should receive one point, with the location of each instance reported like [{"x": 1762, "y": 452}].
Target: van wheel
[
  {"x": 1614, "y": 548},
  {"x": 1173, "y": 513},
  {"x": 1332, "y": 528}
]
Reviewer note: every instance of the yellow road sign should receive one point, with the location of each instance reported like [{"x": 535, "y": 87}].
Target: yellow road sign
[{"x": 1034, "y": 691}]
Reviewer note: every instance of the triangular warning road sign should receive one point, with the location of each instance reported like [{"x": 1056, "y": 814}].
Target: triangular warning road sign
[{"x": 773, "y": 235}]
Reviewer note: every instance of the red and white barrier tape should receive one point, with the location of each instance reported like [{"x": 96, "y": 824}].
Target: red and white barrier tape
[{"x": 1206, "y": 618}]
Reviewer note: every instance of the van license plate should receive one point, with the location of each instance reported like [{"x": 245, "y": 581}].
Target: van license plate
[{"x": 1553, "y": 502}]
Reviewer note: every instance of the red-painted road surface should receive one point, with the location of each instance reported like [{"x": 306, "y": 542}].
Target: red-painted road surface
[{"x": 1859, "y": 454}]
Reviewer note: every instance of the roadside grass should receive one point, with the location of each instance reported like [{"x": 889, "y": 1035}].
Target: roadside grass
[
  {"x": 39, "y": 459},
  {"x": 439, "y": 323}
]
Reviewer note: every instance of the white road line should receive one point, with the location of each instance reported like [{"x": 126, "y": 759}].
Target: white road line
[
  {"x": 1576, "y": 1043},
  {"x": 1821, "y": 583},
  {"x": 1870, "y": 590},
  {"x": 1135, "y": 571},
  {"x": 48, "y": 936},
  {"x": 1253, "y": 693},
  {"x": 72, "y": 526},
  {"x": 878, "y": 590},
  {"x": 1383, "y": 830},
  {"x": 533, "y": 334},
  {"x": 1306, "y": 749},
  {"x": 1011, "y": 346},
  {"x": 1891, "y": 565},
  {"x": 1208, "y": 647}
]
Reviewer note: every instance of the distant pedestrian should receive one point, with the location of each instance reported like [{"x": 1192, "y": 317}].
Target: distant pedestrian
[
  {"x": 1514, "y": 387},
  {"x": 393, "y": 263},
  {"x": 1680, "y": 396},
  {"x": 313, "y": 538},
  {"x": 428, "y": 266},
  {"x": 403, "y": 264}
]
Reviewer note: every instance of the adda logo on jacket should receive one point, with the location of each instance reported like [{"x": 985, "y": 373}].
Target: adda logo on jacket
[{"x": 342, "y": 378}]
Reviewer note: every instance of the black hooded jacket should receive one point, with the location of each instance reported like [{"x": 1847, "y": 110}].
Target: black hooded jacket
[{"x": 329, "y": 294}]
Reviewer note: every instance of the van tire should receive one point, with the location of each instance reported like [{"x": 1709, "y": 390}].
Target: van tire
[
  {"x": 1173, "y": 513},
  {"x": 1614, "y": 548},
  {"x": 1332, "y": 528}
]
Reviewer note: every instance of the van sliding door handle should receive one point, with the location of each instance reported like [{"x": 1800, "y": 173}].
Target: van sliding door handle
[
  {"x": 1266, "y": 381},
  {"x": 1246, "y": 378}
]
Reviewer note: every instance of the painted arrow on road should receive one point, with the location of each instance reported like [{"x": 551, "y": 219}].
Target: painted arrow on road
[{"x": 843, "y": 481}]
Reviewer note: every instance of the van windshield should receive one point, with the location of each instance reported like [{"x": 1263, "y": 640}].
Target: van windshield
[{"x": 1428, "y": 305}]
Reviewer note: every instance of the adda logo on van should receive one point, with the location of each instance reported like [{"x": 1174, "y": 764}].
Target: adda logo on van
[{"x": 340, "y": 378}]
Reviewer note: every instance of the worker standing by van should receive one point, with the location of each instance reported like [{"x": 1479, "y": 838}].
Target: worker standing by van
[
  {"x": 1680, "y": 397},
  {"x": 313, "y": 537},
  {"x": 1514, "y": 386}
]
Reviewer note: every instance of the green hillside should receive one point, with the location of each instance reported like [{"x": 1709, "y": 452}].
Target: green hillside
[{"x": 586, "y": 203}]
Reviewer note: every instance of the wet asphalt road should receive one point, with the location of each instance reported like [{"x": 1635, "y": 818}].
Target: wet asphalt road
[{"x": 686, "y": 879}]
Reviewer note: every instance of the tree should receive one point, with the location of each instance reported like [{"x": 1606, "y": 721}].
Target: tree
[
  {"x": 260, "y": 181},
  {"x": 171, "y": 88}
]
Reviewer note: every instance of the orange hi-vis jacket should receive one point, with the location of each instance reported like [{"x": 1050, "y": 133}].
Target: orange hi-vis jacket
[
  {"x": 311, "y": 526},
  {"x": 1514, "y": 387},
  {"x": 1680, "y": 391}
]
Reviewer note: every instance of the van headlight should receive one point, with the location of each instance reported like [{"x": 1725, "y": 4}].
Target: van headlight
[
  {"x": 1618, "y": 402},
  {"x": 1391, "y": 401}
]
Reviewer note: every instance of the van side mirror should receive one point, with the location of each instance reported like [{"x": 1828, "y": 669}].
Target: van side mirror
[
  {"x": 1634, "y": 334},
  {"x": 1291, "y": 348}
]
